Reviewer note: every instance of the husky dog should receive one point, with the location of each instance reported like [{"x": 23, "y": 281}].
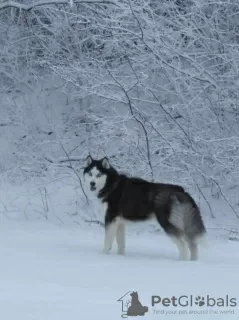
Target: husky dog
[{"x": 134, "y": 199}]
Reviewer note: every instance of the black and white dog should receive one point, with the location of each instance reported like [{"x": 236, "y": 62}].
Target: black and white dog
[{"x": 134, "y": 199}]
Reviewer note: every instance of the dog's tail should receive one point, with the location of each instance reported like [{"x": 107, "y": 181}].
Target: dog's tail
[
  {"x": 202, "y": 240},
  {"x": 187, "y": 217}
]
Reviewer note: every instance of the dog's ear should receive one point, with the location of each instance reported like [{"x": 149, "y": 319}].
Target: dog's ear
[
  {"x": 105, "y": 163},
  {"x": 88, "y": 160}
]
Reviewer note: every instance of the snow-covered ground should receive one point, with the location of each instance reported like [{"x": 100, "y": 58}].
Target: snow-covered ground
[{"x": 51, "y": 271}]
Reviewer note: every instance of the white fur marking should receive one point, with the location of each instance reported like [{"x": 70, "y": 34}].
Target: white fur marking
[
  {"x": 200, "y": 240},
  {"x": 193, "y": 247},
  {"x": 176, "y": 216},
  {"x": 120, "y": 237},
  {"x": 110, "y": 233},
  {"x": 103, "y": 208},
  {"x": 182, "y": 247}
]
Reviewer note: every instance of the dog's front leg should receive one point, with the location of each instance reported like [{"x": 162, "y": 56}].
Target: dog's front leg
[
  {"x": 110, "y": 233},
  {"x": 120, "y": 238}
]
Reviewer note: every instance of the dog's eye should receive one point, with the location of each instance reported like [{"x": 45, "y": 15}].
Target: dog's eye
[
  {"x": 90, "y": 174},
  {"x": 99, "y": 175}
]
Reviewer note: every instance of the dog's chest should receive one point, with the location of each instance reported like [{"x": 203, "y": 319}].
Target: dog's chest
[{"x": 103, "y": 208}]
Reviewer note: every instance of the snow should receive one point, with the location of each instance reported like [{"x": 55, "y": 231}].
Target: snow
[{"x": 51, "y": 271}]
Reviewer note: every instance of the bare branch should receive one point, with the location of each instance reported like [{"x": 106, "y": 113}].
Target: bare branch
[
  {"x": 76, "y": 173},
  {"x": 137, "y": 120},
  {"x": 96, "y": 222}
]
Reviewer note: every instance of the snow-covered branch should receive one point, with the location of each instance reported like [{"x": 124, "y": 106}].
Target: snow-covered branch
[{"x": 40, "y": 3}]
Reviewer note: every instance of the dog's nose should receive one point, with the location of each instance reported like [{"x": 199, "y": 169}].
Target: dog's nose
[{"x": 92, "y": 183}]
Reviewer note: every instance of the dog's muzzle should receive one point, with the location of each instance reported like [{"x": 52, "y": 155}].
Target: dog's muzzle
[{"x": 92, "y": 186}]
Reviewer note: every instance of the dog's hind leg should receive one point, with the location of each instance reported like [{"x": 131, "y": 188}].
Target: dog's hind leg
[
  {"x": 194, "y": 231},
  {"x": 182, "y": 246},
  {"x": 120, "y": 238},
  {"x": 193, "y": 247},
  {"x": 110, "y": 233},
  {"x": 194, "y": 241},
  {"x": 173, "y": 230}
]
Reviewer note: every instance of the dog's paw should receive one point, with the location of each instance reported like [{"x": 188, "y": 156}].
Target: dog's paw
[
  {"x": 121, "y": 252},
  {"x": 106, "y": 250}
]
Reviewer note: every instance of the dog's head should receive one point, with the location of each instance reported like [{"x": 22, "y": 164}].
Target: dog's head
[
  {"x": 95, "y": 173},
  {"x": 134, "y": 294}
]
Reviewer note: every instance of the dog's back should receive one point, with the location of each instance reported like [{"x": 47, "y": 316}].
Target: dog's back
[{"x": 136, "y": 199}]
